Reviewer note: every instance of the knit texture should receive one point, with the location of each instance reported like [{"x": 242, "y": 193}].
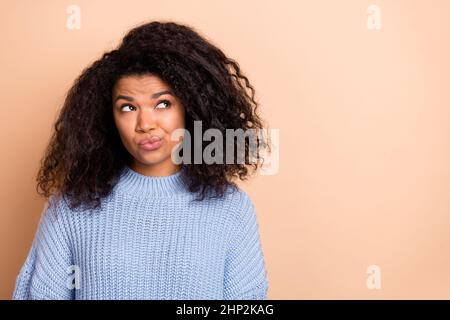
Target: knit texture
[{"x": 149, "y": 240}]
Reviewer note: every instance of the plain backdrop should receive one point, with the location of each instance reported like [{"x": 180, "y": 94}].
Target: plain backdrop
[{"x": 363, "y": 117}]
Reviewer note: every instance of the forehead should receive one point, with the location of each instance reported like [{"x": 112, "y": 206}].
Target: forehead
[{"x": 139, "y": 84}]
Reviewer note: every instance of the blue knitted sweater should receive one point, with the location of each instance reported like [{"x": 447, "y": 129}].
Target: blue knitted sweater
[{"x": 148, "y": 240}]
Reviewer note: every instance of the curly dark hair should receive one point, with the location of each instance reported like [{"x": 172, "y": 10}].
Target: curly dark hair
[{"x": 85, "y": 154}]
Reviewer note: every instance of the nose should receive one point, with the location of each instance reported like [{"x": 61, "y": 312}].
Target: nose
[{"x": 146, "y": 120}]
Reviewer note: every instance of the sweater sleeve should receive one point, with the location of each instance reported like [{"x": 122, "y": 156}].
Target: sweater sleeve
[
  {"x": 245, "y": 271},
  {"x": 46, "y": 271}
]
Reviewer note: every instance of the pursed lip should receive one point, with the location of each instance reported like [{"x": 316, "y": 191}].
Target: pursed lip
[{"x": 152, "y": 139}]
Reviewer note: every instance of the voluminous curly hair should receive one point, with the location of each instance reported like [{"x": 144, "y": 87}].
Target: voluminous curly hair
[{"x": 85, "y": 154}]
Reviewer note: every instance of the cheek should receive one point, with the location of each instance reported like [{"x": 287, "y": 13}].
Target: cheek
[
  {"x": 169, "y": 124},
  {"x": 172, "y": 121},
  {"x": 125, "y": 127}
]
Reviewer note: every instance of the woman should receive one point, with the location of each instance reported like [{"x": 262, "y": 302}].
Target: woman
[{"x": 124, "y": 220}]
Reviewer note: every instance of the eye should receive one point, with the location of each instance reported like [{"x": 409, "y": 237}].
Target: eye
[
  {"x": 166, "y": 102},
  {"x": 126, "y": 105}
]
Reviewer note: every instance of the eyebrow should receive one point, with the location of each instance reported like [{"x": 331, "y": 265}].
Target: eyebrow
[{"x": 154, "y": 96}]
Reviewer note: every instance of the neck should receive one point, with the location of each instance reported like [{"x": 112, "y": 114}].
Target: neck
[
  {"x": 140, "y": 185},
  {"x": 165, "y": 169}
]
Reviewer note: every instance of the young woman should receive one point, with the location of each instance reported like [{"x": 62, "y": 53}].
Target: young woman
[{"x": 123, "y": 219}]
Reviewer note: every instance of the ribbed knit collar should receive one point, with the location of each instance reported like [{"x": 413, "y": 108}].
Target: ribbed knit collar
[{"x": 138, "y": 184}]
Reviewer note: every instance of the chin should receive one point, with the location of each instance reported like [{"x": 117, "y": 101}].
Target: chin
[{"x": 153, "y": 159}]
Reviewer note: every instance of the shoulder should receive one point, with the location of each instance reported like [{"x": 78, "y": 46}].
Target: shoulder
[
  {"x": 55, "y": 214},
  {"x": 56, "y": 206},
  {"x": 239, "y": 197},
  {"x": 240, "y": 205}
]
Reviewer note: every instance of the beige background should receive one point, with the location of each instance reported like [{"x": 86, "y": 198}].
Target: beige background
[{"x": 364, "y": 119}]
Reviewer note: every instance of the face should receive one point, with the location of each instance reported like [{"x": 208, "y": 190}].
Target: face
[{"x": 144, "y": 107}]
